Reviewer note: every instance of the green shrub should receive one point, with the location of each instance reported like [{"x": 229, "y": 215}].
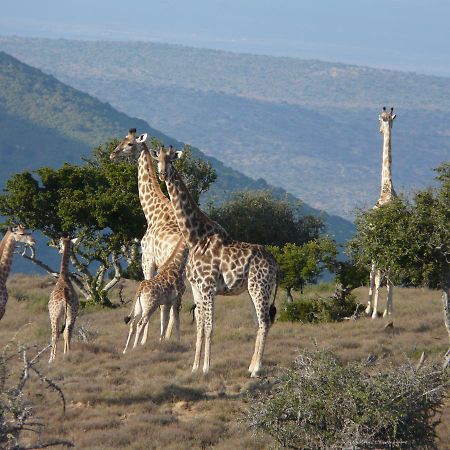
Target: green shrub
[
  {"x": 318, "y": 310},
  {"x": 321, "y": 403}
]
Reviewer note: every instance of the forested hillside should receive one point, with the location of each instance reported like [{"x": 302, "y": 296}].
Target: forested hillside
[
  {"x": 44, "y": 122},
  {"x": 308, "y": 126}
]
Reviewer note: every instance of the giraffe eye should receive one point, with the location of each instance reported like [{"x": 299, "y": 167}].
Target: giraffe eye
[{"x": 130, "y": 144}]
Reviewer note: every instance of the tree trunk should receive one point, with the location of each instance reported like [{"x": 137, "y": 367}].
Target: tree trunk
[{"x": 289, "y": 297}]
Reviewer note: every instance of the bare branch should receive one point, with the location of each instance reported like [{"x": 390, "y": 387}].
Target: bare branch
[{"x": 42, "y": 265}]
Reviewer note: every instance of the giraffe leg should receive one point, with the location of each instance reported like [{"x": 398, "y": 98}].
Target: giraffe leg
[
  {"x": 377, "y": 294},
  {"x": 176, "y": 313},
  {"x": 368, "y": 310},
  {"x": 208, "y": 316},
  {"x": 133, "y": 324},
  {"x": 55, "y": 331},
  {"x": 143, "y": 322},
  {"x": 171, "y": 324},
  {"x": 165, "y": 312},
  {"x": 199, "y": 323},
  {"x": 145, "y": 334},
  {"x": 390, "y": 291}
]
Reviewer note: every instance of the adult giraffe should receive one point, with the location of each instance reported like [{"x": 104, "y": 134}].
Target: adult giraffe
[
  {"x": 387, "y": 194},
  {"x": 218, "y": 265},
  {"x": 162, "y": 234}
]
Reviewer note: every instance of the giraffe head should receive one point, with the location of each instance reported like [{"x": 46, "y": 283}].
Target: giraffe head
[
  {"x": 165, "y": 158},
  {"x": 130, "y": 146},
  {"x": 66, "y": 241},
  {"x": 386, "y": 119},
  {"x": 20, "y": 235}
]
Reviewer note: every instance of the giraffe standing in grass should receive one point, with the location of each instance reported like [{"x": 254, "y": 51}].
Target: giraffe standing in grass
[
  {"x": 166, "y": 288},
  {"x": 387, "y": 194},
  {"x": 162, "y": 234},
  {"x": 219, "y": 265},
  {"x": 7, "y": 246},
  {"x": 63, "y": 300}
]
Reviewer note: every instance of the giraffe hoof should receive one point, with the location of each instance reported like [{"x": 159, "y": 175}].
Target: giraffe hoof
[{"x": 254, "y": 375}]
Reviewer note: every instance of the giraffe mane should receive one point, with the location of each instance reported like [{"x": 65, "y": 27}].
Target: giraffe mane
[{"x": 3, "y": 242}]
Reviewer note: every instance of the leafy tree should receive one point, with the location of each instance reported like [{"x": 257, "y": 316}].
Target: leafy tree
[
  {"x": 302, "y": 264},
  {"x": 259, "y": 217},
  {"x": 412, "y": 238},
  {"x": 97, "y": 202}
]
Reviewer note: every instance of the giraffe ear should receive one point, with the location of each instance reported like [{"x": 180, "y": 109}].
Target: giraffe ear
[
  {"x": 154, "y": 153},
  {"x": 142, "y": 138},
  {"x": 177, "y": 155},
  {"x": 75, "y": 241}
]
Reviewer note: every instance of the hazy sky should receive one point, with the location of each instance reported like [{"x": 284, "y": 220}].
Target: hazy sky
[{"x": 400, "y": 34}]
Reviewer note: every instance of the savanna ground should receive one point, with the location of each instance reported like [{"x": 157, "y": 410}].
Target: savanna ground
[{"x": 148, "y": 398}]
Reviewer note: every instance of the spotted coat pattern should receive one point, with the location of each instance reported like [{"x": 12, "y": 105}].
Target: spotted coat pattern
[{"x": 218, "y": 264}]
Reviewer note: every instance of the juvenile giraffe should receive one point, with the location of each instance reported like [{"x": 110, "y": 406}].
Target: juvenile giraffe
[
  {"x": 7, "y": 246},
  {"x": 63, "y": 301},
  {"x": 387, "y": 194},
  {"x": 162, "y": 232},
  {"x": 166, "y": 288},
  {"x": 218, "y": 264}
]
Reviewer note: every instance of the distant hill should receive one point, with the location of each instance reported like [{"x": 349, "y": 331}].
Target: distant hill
[
  {"x": 44, "y": 122},
  {"x": 308, "y": 126}
]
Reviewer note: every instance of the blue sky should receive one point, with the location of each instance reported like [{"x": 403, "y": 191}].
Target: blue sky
[{"x": 398, "y": 34}]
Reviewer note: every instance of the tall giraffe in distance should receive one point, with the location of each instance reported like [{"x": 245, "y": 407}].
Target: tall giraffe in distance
[
  {"x": 63, "y": 300},
  {"x": 219, "y": 265},
  {"x": 162, "y": 234},
  {"x": 7, "y": 246},
  {"x": 387, "y": 194}
]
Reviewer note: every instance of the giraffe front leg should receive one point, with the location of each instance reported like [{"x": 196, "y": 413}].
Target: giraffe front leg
[
  {"x": 368, "y": 310},
  {"x": 165, "y": 311},
  {"x": 208, "y": 316},
  {"x": 140, "y": 325},
  {"x": 377, "y": 294},
  {"x": 171, "y": 324}
]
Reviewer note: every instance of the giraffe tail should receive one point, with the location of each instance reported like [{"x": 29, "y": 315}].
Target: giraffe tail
[
  {"x": 192, "y": 311},
  {"x": 273, "y": 308}
]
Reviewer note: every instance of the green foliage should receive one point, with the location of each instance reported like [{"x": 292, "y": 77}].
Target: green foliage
[
  {"x": 321, "y": 403},
  {"x": 302, "y": 264},
  {"x": 260, "y": 217},
  {"x": 318, "y": 310},
  {"x": 412, "y": 238},
  {"x": 97, "y": 202}
]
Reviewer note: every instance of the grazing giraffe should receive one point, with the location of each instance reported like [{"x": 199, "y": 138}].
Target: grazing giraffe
[
  {"x": 162, "y": 234},
  {"x": 7, "y": 246},
  {"x": 63, "y": 300},
  {"x": 219, "y": 265},
  {"x": 166, "y": 288},
  {"x": 387, "y": 194}
]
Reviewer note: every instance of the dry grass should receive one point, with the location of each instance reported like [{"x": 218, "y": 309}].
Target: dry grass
[{"x": 149, "y": 399}]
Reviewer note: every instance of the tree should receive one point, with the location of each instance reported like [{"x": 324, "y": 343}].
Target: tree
[
  {"x": 303, "y": 264},
  {"x": 411, "y": 238},
  {"x": 97, "y": 202},
  {"x": 259, "y": 217}
]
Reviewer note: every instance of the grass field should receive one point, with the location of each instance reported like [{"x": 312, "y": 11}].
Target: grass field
[{"x": 148, "y": 398}]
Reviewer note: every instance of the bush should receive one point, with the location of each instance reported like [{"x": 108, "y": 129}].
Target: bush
[
  {"x": 318, "y": 310},
  {"x": 321, "y": 403}
]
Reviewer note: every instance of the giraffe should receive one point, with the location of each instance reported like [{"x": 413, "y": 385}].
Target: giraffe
[
  {"x": 162, "y": 234},
  {"x": 387, "y": 194},
  {"x": 63, "y": 300},
  {"x": 166, "y": 288},
  {"x": 218, "y": 264},
  {"x": 7, "y": 246}
]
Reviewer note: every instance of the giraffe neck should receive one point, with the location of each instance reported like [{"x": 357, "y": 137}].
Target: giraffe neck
[
  {"x": 6, "y": 256},
  {"x": 387, "y": 187},
  {"x": 151, "y": 196},
  {"x": 63, "y": 273},
  {"x": 193, "y": 223}
]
